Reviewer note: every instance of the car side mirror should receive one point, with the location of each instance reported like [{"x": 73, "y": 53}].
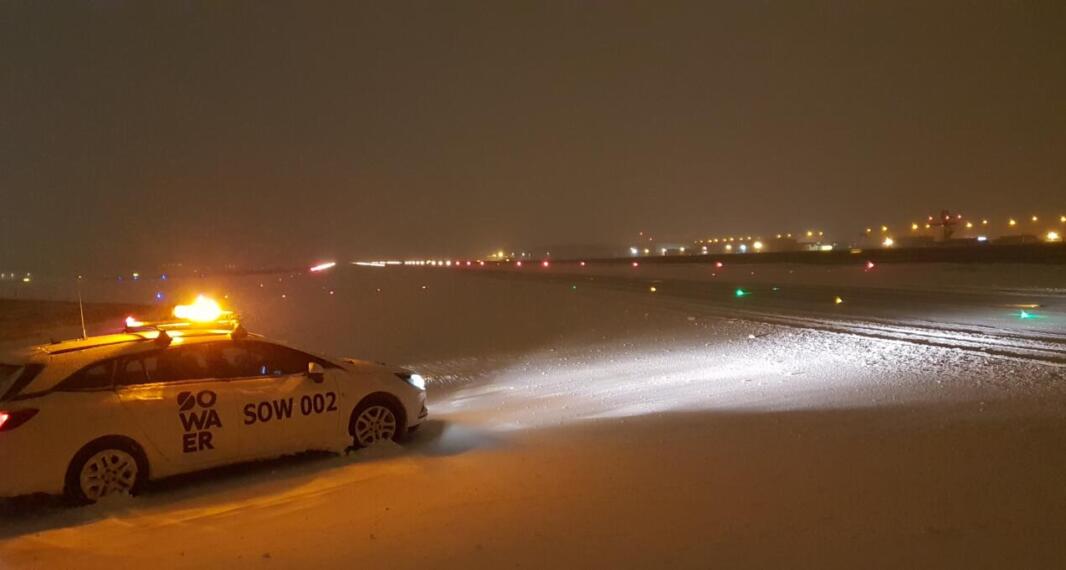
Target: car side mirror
[{"x": 316, "y": 372}]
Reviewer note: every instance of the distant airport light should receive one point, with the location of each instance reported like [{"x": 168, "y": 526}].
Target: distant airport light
[
  {"x": 544, "y": 263},
  {"x": 888, "y": 242},
  {"x": 1011, "y": 222},
  {"x": 636, "y": 264},
  {"x": 132, "y": 322},
  {"x": 324, "y": 266},
  {"x": 757, "y": 245},
  {"x": 740, "y": 293},
  {"x": 982, "y": 238},
  {"x": 1053, "y": 236}
]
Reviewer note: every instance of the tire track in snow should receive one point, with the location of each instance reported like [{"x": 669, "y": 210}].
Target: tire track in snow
[{"x": 1040, "y": 346}]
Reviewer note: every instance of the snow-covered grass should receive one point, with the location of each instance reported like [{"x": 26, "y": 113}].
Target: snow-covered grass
[{"x": 584, "y": 423}]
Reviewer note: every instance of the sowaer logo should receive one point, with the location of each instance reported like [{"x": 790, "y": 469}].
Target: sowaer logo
[{"x": 197, "y": 423}]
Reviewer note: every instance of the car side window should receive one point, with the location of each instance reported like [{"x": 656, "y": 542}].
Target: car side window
[
  {"x": 93, "y": 377},
  {"x": 130, "y": 372},
  {"x": 274, "y": 360},
  {"x": 234, "y": 360},
  {"x": 172, "y": 364}
]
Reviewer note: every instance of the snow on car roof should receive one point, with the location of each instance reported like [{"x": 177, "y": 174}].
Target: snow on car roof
[
  {"x": 78, "y": 345},
  {"x": 61, "y": 359}
]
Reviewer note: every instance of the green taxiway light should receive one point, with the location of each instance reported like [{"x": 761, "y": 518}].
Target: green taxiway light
[{"x": 741, "y": 293}]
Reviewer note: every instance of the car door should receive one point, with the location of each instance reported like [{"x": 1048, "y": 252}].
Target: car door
[
  {"x": 181, "y": 404},
  {"x": 282, "y": 407}
]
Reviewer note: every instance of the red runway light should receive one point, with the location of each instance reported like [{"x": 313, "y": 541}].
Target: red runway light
[
  {"x": 544, "y": 264},
  {"x": 636, "y": 264}
]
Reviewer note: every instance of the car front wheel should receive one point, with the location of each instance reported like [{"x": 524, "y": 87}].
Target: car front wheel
[{"x": 373, "y": 423}]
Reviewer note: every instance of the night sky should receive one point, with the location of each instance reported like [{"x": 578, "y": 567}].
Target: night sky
[{"x": 264, "y": 133}]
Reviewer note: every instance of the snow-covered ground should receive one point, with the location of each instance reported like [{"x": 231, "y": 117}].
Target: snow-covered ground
[{"x": 580, "y": 419}]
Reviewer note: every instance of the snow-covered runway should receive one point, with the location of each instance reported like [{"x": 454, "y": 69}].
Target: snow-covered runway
[{"x": 584, "y": 420}]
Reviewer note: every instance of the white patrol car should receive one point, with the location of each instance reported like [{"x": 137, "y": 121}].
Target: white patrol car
[{"x": 103, "y": 415}]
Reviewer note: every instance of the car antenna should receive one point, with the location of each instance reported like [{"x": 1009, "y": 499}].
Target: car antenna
[{"x": 81, "y": 311}]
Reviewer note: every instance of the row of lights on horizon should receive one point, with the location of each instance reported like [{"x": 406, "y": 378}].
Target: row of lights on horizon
[
  {"x": 969, "y": 224},
  {"x": 15, "y": 276},
  {"x": 1050, "y": 235},
  {"x": 739, "y": 243}
]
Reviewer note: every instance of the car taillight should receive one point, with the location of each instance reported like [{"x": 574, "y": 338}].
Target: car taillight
[{"x": 12, "y": 420}]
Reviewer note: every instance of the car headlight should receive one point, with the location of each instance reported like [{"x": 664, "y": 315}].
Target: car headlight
[{"x": 415, "y": 380}]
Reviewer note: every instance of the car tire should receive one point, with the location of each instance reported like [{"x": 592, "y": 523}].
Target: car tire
[
  {"x": 375, "y": 420},
  {"x": 105, "y": 467}
]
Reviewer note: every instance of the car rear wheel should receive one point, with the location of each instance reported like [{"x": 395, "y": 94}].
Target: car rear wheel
[
  {"x": 373, "y": 423},
  {"x": 105, "y": 469}
]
